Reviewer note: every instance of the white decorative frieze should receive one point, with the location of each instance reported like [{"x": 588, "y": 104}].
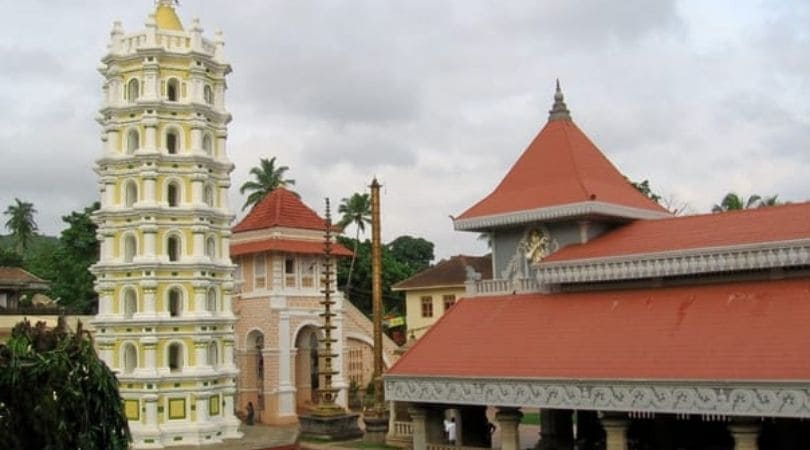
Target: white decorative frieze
[
  {"x": 730, "y": 399},
  {"x": 759, "y": 256}
]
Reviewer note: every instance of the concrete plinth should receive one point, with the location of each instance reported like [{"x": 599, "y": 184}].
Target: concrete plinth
[
  {"x": 376, "y": 428},
  {"x": 330, "y": 428}
]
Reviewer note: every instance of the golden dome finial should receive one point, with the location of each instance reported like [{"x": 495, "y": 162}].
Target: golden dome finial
[{"x": 166, "y": 17}]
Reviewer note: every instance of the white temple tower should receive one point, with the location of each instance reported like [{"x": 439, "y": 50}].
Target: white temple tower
[{"x": 164, "y": 277}]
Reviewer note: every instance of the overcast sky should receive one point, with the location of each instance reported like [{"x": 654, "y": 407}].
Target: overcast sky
[{"x": 436, "y": 98}]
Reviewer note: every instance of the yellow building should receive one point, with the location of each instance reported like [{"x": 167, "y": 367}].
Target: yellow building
[
  {"x": 430, "y": 293},
  {"x": 164, "y": 277}
]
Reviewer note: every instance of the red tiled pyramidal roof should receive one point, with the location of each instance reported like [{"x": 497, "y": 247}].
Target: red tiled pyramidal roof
[
  {"x": 733, "y": 331},
  {"x": 561, "y": 166},
  {"x": 749, "y": 226},
  {"x": 280, "y": 208},
  {"x": 18, "y": 276}
]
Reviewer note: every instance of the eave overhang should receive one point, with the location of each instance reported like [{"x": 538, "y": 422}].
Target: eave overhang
[{"x": 556, "y": 213}]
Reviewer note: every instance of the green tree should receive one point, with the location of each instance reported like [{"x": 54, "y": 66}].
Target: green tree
[
  {"x": 644, "y": 188},
  {"x": 267, "y": 177},
  {"x": 415, "y": 253},
  {"x": 72, "y": 281},
  {"x": 733, "y": 202},
  {"x": 772, "y": 200},
  {"x": 355, "y": 210},
  {"x": 56, "y": 394},
  {"x": 9, "y": 258},
  {"x": 21, "y": 223}
]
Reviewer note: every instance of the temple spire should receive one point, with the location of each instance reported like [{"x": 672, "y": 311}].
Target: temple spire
[{"x": 559, "y": 111}]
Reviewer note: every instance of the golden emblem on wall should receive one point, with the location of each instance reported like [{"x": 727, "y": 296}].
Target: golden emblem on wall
[{"x": 536, "y": 246}]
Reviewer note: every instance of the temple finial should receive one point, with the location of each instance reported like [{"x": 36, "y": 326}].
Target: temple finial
[{"x": 559, "y": 111}]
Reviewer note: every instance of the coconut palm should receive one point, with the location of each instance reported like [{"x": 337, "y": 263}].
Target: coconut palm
[
  {"x": 267, "y": 178},
  {"x": 21, "y": 223},
  {"x": 772, "y": 200},
  {"x": 732, "y": 202},
  {"x": 355, "y": 210}
]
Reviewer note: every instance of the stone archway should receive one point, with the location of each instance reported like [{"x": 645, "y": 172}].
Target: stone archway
[
  {"x": 307, "y": 363},
  {"x": 252, "y": 371}
]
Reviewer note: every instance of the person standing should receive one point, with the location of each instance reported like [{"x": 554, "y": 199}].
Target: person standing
[{"x": 451, "y": 431}]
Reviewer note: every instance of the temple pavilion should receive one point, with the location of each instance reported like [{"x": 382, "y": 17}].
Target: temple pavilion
[{"x": 627, "y": 327}]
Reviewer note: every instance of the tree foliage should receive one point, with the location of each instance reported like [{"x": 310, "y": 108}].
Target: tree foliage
[
  {"x": 733, "y": 202},
  {"x": 401, "y": 259},
  {"x": 56, "y": 394},
  {"x": 9, "y": 258},
  {"x": 267, "y": 177},
  {"x": 644, "y": 188},
  {"x": 72, "y": 281},
  {"x": 21, "y": 223},
  {"x": 355, "y": 210}
]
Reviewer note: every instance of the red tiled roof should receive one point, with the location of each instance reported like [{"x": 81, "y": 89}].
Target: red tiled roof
[
  {"x": 452, "y": 272},
  {"x": 287, "y": 246},
  {"x": 734, "y": 331},
  {"x": 18, "y": 276},
  {"x": 280, "y": 208},
  {"x": 750, "y": 226},
  {"x": 561, "y": 166}
]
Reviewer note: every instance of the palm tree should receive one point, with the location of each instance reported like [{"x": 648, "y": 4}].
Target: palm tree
[
  {"x": 770, "y": 201},
  {"x": 268, "y": 177},
  {"x": 732, "y": 202},
  {"x": 355, "y": 210},
  {"x": 21, "y": 223}
]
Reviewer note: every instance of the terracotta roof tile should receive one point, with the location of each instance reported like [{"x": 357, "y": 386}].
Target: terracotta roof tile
[
  {"x": 287, "y": 246},
  {"x": 18, "y": 276},
  {"x": 777, "y": 223},
  {"x": 451, "y": 272},
  {"x": 734, "y": 331},
  {"x": 280, "y": 208},
  {"x": 561, "y": 166}
]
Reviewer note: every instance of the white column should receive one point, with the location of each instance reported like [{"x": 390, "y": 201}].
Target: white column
[
  {"x": 745, "y": 435},
  {"x": 509, "y": 420},
  {"x": 149, "y": 185},
  {"x": 615, "y": 432},
  {"x": 109, "y": 192},
  {"x": 105, "y": 300},
  {"x": 197, "y": 180},
  {"x": 419, "y": 436},
  {"x": 221, "y": 146},
  {"x": 225, "y": 246},
  {"x": 200, "y": 353},
  {"x": 202, "y": 407},
  {"x": 286, "y": 388},
  {"x": 150, "y": 402},
  {"x": 149, "y": 288},
  {"x": 150, "y": 360},
  {"x": 227, "y": 298},
  {"x": 113, "y": 141},
  {"x": 196, "y": 137},
  {"x": 107, "y": 245},
  {"x": 223, "y": 194},
  {"x": 198, "y": 232},
  {"x": 227, "y": 352},
  {"x": 149, "y": 242},
  {"x": 105, "y": 346},
  {"x": 200, "y": 288}
]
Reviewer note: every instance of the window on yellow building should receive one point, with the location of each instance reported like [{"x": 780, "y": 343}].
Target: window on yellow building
[
  {"x": 172, "y": 90},
  {"x": 133, "y": 90},
  {"x": 171, "y": 142},
  {"x": 427, "y": 306},
  {"x": 175, "y": 357},
  {"x": 449, "y": 301}
]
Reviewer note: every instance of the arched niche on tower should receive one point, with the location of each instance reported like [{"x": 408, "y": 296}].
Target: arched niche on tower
[
  {"x": 208, "y": 144},
  {"x": 133, "y": 90},
  {"x": 213, "y": 354},
  {"x": 176, "y": 356},
  {"x": 208, "y": 94},
  {"x": 129, "y": 357},
  {"x": 173, "y": 246},
  {"x": 173, "y": 89},
  {"x": 173, "y": 192},
  {"x": 129, "y": 247},
  {"x": 176, "y": 301},
  {"x": 173, "y": 140},
  {"x": 130, "y": 193},
  {"x": 212, "y": 301},
  {"x": 209, "y": 197},
  {"x": 130, "y": 302}
]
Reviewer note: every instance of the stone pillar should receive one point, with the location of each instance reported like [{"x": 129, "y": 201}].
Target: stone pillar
[
  {"x": 198, "y": 244},
  {"x": 509, "y": 420},
  {"x": 149, "y": 187},
  {"x": 197, "y": 180},
  {"x": 202, "y": 406},
  {"x": 556, "y": 430},
  {"x": 286, "y": 387},
  {"x": 149, "y": 292},
  {"x": 150, "y": 141},
  {"x": 149, "y": 345},
  {"x": 615, "y": 426},
  {"x": 200, "y": 288},
  {"x": 149, "y": 242},
  {"x": 200, "y": 353},
  {"x": 227, "y": 349},
  {"x": 419, "y": 427},
  {"x": 150, "y": 404},
  {"x": 745, "y": 434}
]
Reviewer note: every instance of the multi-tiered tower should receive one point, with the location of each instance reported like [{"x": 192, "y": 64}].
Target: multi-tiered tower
[{"x": 164, "y": 280}]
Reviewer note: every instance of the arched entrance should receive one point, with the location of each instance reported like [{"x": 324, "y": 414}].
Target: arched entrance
[
  {"x": 306, "y": 367},
  {"x": 253, "y": 372}
]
